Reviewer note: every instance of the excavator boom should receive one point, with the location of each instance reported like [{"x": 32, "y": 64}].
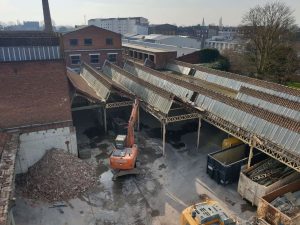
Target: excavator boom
[
  {"x": 131, "y": 123},
  {"x": 124, "y": 156}
]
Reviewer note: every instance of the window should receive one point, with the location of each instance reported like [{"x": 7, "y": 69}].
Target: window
[
  {"x": 75, "y": 59},
  {"x": 112, "y": 57},
  {"x": 94, "y": 58},
  {"x": 73, "y": 42},
  {"x": 88, "y": 41},
  {"x": 109, "y": 41}
]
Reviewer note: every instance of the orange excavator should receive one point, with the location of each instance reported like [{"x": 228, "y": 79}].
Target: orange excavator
[{"x": 124, "y": 156}]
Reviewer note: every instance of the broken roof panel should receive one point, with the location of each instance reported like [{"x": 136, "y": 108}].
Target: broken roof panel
[
  {"x": 159, "y": 99},
  {"x": 82, "y": 86},
  {"x": 155, "y": 78},
  {"x": 101, "y": 85}
]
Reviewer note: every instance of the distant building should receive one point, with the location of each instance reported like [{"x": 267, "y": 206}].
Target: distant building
[
  {"x": 130, "y": 25},
  {"x": 175, "y": 40},
  {"x": 199, "y": 32},
  {"x": 222, "y": 44},
  {"x": 156, "y": 57},
  {"x": 92, "y": 45},
  {"x": 165, "y": 29},
  {"x": 31, "y": 25},
  {"x": 229, "y": 32},
  {"x": 180, "y": 50}
]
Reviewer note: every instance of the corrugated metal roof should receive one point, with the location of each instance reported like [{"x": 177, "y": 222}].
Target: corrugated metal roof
[
  {"x": 29, "y": 53},
  {"x": 178, "y": 68},
  {"x": 271, "y": 103},
  {"x": 82, "y": 87},
  {"x": 236, "y": 81},
  {"x": 99, "y": 84},
  {"x": 286, "y": 138},
  {"x": 159, "y": 99},
  {"x": 149, "y": 75}
]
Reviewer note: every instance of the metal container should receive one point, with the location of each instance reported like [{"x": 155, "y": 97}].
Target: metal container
[
  {"x": 273, "y": 216},
  {"x": 224, "y": 166},
  {"x": 252, "y": 191}
]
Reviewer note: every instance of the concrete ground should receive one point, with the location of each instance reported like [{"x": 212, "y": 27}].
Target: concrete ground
[{"x": 166, "y": 186}]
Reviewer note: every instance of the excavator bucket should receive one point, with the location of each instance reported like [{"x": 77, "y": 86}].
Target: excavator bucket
[{"x": 121, "y": 173}]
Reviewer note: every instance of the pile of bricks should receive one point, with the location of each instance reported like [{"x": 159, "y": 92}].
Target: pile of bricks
[{"x": 58, "y": 176}]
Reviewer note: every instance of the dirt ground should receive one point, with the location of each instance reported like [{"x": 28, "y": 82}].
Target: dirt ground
[{"x": 165, "y": 187}]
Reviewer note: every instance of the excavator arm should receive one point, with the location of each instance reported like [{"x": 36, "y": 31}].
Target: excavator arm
[{"x": 131, "y": 123}]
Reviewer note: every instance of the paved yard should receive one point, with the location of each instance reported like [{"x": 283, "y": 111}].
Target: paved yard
[{"x": 166, "y": 186}]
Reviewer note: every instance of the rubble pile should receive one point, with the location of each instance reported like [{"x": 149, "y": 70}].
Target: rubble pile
[
  {"x": 268, "y": 172},
  {"x": 58, "y": 176},
  {"x": 289, "y": 203}
]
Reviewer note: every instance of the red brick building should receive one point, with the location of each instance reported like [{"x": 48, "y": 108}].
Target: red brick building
[
  {"x": 92, "y": 45},
  {"x": 157, "y": 58}
]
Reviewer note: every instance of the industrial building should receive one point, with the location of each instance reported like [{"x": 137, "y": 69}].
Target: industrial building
[
  {"x": 181, "y": 51},
  {"x": 130, "y": 25},
  {"x": 174, "y": 40},
  {"x": 185, "y": 112},
  {"x": 92, "y": 45},
  {"x": 35, "y": 104},
  {"x": 165, "y": 29},
  {"x": 159, "y": 57}
]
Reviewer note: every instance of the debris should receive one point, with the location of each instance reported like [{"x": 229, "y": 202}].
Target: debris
[
  {"x": 58, "y": 176},
  {"x": 58, "y": 204},
  {"x": 268, "y": 172},
  {"x": 287, "y": 203}
]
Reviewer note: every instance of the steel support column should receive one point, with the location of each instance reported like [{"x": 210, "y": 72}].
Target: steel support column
[
  {"x": 250, "y": 156},
  {"x": 104, "y": 120},
  {"x": 138, "y": 119},
  {"x": 198, "y": 135},
  {"x": 164, "y": 137}
]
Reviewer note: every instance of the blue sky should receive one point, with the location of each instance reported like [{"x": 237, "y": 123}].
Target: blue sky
[{"x": 180, "y": 12}]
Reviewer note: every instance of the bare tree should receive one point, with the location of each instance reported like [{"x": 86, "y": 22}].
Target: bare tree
[{"x": 268, "y": 28}]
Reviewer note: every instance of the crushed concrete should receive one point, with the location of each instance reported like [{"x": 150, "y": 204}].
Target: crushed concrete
[{"x": 57, "y": 176}]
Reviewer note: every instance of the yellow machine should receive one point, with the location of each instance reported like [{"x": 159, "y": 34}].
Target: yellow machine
[
  {"x": 230, "y": 142},
  {"x": 207, "y": 212}
]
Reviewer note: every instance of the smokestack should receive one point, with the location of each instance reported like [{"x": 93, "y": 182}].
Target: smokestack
[{"x": 47, "y": 16}]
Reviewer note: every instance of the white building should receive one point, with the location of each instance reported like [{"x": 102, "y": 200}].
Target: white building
[
  {"x": 181, "y": 51},
  {"x": 222, "y": 43},
  {"x": 132, "y": 25},
  {"x": 175, "y": 40}
]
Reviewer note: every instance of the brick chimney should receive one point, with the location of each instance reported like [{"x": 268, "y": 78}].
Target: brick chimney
[{"x": 47, "y": 16}]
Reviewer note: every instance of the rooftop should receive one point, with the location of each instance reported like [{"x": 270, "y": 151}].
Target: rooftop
[
  {"x": 168, "y": 48},
  {"x": 33, "y": 93},
  {"x": 145, "y": 48}
]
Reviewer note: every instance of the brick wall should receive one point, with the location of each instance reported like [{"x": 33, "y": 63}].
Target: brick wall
[
  {"x": 98, "y": 46},
  {"x": 192, "y": 58}
]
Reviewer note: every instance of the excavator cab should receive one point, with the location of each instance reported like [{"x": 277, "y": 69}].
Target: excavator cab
[
  {"x": 205, "y": 213},
  {"x": 120, "y": 141}
]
